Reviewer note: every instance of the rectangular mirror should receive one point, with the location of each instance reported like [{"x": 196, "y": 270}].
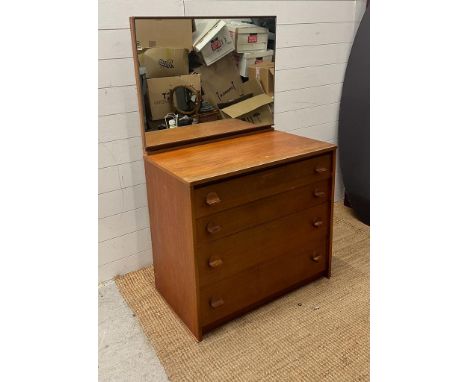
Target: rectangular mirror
[{"x": 203, "y": 77}]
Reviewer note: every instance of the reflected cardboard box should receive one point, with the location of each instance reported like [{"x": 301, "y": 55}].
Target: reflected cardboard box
[
  {"x": 255, "y": 110},
  {"x": 164, "y": 33},
  {"x": 221, "y": 81},
  {"x": 265, "y": 73},
  {"x": 164, "y": 62},
  {"x": 248, "y": 37},
  {"x": 212, "y": 40},
  {"x": 245, "y": 60},
  {"x": 253, "y": 106}
]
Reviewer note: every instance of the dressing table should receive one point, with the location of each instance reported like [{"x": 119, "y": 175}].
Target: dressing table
[{"x": 239, "y": 215}]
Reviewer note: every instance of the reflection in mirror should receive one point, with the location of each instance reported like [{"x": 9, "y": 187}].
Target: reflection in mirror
[
  {"x": 198, "y": 70},
  {"x": 185, "y": 100}
]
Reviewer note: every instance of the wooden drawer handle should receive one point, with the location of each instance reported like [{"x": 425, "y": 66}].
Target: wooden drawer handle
[
  {"x": 212, "y": 198},
  {"x": 321, "y": 170},
  {"x": 315, "y": 257},
  {"x": 215, "y": 262},
  {"x": 319, "y": 194},
  {"x": 213, "y": 228},
  {"x": 318, "y": 223},
  {"x": 216, "y": 302}
]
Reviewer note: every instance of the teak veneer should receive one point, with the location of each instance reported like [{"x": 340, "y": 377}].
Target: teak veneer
[
  {"x": 239, "y": 214},
  {"x": 239, "y": 221},
  {"x": 158, "y": 140}
]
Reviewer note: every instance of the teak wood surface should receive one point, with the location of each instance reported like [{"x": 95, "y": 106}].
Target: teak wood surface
[
  {"x": 215, "y": 160},
  {"x": 225, "y": 223},
  {"x": 258, "y": 282},
  {"x": 239, "y": 214},
  {"x": 259, "y": 184},
  {"x": 238, "y": 222},
  {"x": 173, "y": 252},
  {"x": 188, "y": 135},
  {"x": 262, "y": 243}
]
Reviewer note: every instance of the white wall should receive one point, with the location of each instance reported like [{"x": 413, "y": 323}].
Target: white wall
[
  {"x": 360, "y": 9},
  {"x": 313, "y": 43}
]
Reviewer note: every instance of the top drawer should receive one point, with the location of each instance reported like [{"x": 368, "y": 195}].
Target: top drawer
[{"x": 233, "y": 192}]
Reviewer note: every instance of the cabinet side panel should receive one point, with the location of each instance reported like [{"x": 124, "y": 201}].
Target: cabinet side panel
[
  {"x": 332, "y": 197},
  {"x": 172, "y": 241}
]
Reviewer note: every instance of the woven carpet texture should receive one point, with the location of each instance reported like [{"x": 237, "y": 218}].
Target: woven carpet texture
[{"x": 319, "y": 332}]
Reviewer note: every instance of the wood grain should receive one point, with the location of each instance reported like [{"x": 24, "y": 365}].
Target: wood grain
[
  {"x": 173, "y": 252},
  {"x": 180, "y": 136},
  {"x": 236, "y": 222},
  {"x": 331, "y": 205},
  {"x": 287, "y": 235},
  {"x": 259, "y": 282},
  {"x": 253, "y": 186},
  {"x": 226, "y": 158},
  {"x": 260, "y": 211}
]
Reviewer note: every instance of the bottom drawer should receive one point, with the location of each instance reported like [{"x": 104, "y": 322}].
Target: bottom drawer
[{"x": 235, "y": 293}]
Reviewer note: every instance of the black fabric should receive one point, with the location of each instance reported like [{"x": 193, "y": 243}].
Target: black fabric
[{"x": 354, "y": 130}]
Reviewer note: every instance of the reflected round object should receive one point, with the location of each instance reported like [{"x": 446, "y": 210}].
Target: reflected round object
[{"x": 185, "y": 100}]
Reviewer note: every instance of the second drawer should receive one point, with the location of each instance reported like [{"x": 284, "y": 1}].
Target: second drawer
[
  {"x": 290, "y": 234},
  {"x": 236, "y": 219}
]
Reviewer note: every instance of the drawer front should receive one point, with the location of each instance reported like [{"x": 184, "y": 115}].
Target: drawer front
[
  {"x": 227, "y": 256},
  {"x": 238, "y": 292},
  {"x": 225, "y": 223},
  {"x": 247, "y": 188}
]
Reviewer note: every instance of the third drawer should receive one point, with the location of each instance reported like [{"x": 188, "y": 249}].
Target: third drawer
[{"x": 290, "y": 234}]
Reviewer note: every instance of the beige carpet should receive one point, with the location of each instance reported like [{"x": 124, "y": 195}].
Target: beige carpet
[{"x": 317, "y": 333}]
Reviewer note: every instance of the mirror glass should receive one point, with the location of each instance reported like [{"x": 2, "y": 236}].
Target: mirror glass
[
  {"x": 196, "y": 70},
  {"x": 185, "y": 100}
]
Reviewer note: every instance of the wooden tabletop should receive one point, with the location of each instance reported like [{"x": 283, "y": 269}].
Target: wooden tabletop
[{"x": 220, "y": 159}]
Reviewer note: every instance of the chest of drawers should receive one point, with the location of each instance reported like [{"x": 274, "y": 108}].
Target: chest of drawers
[{"x": 237, "y": 222}]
